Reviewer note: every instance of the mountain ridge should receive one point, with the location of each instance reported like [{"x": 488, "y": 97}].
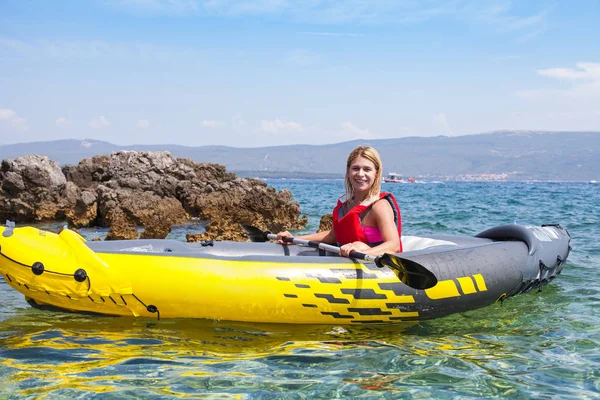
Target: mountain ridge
[{"x": 499, "y": 155}]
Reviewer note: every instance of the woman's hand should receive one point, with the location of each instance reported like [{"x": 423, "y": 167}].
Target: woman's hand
[
  {"x": 281, "y": 235},
  {"x": 354, "y": 246}
]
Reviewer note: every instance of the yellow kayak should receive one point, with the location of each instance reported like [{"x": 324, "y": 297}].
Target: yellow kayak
[{"x": 268, "y": 282}]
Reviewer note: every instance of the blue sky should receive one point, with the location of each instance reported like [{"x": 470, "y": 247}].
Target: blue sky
[{"x": 274, "y": 72}]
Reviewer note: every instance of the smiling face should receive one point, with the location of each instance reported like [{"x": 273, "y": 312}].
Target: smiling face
[{"x": 362, "y": 174}]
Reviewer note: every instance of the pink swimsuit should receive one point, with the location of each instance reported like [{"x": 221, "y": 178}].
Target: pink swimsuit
[{"x": 373, "y": 234}]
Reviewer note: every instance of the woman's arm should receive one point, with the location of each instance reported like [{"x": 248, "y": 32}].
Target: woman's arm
[{"x": 325, "y": 237}]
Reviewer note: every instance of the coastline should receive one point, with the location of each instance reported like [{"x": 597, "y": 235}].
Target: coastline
[{"x": 495, "y": 178}]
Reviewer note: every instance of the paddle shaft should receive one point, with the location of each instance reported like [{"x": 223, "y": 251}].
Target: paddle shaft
[
  {"x": 409, "y": 272},
  {"x": 326, "y": 247}
]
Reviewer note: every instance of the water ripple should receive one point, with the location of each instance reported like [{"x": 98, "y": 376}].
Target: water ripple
[{"x": 537, "y": 345}]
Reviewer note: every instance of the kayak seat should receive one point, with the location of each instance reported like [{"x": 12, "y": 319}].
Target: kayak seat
[{"x": 411, "y": 243}]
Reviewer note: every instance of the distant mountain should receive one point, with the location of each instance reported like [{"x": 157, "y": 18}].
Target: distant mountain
[{"x": 502, "y": 155}]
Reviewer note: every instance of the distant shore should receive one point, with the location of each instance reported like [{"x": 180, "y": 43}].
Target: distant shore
[{"x": 460, "y": 178}]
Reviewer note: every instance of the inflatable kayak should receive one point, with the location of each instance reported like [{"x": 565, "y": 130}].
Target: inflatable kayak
[{"x": 269, "y": 282}]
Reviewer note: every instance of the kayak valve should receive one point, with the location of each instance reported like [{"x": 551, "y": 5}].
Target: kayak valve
[
  {"x": 37, "y": 268},
  {"x": 80, "y": 275}
]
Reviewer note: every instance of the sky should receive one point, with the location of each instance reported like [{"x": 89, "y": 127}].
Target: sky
[{"x": 253, "y": 73}]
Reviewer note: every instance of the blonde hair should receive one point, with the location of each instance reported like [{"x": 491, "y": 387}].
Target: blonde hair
[{"x": 372, "y": 155}]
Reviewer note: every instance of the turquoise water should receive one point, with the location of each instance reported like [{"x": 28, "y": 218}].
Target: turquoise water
[{"x": 537, "y": 345}]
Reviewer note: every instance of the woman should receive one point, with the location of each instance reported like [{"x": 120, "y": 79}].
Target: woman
[{"x": 368, "y": 220}]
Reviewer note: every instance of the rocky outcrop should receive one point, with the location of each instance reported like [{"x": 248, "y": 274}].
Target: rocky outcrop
[
  {"x": 121, "y": 228},
  {"x": 153, "y": 190},
  {"x": 33, "y": 188},
  {"x": 326, "y": 223}
]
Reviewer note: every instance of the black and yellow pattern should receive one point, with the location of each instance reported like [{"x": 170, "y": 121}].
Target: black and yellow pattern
[{"x": 362, "y": 295}]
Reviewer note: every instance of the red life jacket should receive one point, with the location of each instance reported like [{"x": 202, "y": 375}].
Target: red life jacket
[{"x": 349, "y": 229}]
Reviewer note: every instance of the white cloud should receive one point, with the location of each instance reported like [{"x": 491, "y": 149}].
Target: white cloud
[
  {"x": 98, "y": 122},
  {"x": 570, "y": 99},
  {"x": 7, "y": 115},
  {"x": 335, "y": 11},
  {"x": 275, "y": 126},
  {"x": 212, "y": 124},
  {"x": 157, "y": 6},
  {"x": 13, "y": 119},
  {"x": 143, "y": 124},
  {"x": 442, "y": 120},
  {"x": 585, "y": 83},
  {"x": 351, "y": 131},
  {"x": 92, "y": 50},
  {"x": 585, "y": 71},
  {"x": 246, "y": 7},
  {"x": 498, "y": 14},
  {"x": 62, "y": 121}
]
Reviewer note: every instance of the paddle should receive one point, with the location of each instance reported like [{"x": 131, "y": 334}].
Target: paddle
[{"x": 410, "y": 272}]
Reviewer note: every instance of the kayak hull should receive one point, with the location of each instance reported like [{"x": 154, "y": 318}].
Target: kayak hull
[{"x": 268, "y": 282}]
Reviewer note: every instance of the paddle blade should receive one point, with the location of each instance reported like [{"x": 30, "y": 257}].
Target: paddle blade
[
  {"x": 254, "y": 234},
  {"x": 410, "y": 273}
]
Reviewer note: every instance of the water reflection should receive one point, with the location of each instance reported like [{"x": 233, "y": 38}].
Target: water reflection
[
  {"x": 69, "y": 354},
  {"x": 98, "y": 355}
]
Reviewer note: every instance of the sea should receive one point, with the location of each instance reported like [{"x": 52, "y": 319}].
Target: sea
[{"x": 538, "y": 345}]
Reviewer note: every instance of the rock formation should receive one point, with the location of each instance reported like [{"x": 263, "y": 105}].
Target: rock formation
[
  {"x": 326, "y": 223},
  {"x": 34, "y": 189},
  {"x": 153, "y": 190}
]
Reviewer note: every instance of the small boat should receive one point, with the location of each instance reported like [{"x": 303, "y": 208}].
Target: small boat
[
  {"x": 593, "y": 181},
  {"x": 272, "y": 283},
  {"x": 394, "y": 177}
]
